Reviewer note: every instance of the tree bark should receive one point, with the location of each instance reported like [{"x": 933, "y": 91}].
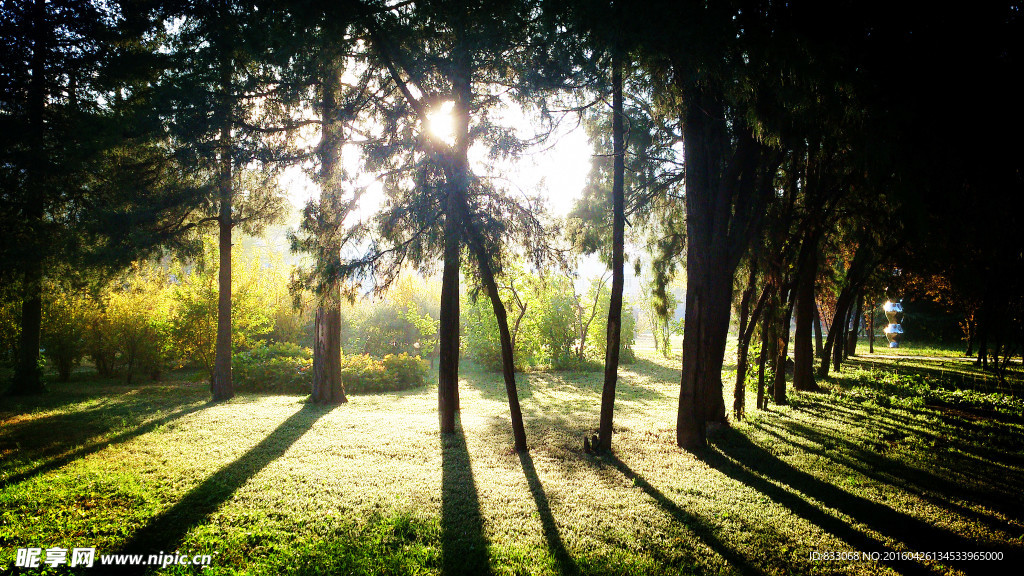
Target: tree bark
[
  {"x": 457, "y": 177},
  {"x": 766, "y": 349},
  {"x": 871, "y": 327},
  {"x": 747, "y": 324},
  {"x": 611, "y": 354},
  {"x": 328, "y": 387},
  {"x": 851, "y": 337},
  {"x": 803, "y": 354},
  {"x": 818, "y": 346},
  {"x": 28, "y": 378},
  {"x": 508, "y": 369},
  {"x": 779, "y": 385},
  {"x": 221, "y": 386}
]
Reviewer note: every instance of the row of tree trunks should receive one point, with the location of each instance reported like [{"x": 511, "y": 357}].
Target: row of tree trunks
[
  {"x": 611, "y": 354},
  {"x": 835, "y": 342},
  {"x": 747, "y": 324}
]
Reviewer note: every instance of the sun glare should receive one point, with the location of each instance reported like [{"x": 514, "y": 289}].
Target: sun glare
[{"x": 440, "y": 123}]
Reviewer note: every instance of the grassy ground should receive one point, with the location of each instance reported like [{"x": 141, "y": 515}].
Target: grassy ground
[{"x": 272, "y": 485}]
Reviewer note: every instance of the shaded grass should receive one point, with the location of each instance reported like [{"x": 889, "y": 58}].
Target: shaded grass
[{"x": 270, "y": 485}]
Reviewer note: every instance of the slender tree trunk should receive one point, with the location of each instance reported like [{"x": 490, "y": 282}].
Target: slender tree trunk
[
  {"x": 851, "y": 336},
  {"x": 508, "y": 369},
  {"x": 28, "y": 378},
  {"x": 871, "y": 327},
  {"x": 818, "y": 346},
  {"x": 611, "y": 354},
  {"x": 742, "y": 344},
  {"x": 836, "y": 331},
  {"x": 328, "y": 387},
  {"x": 803, "y": 354},
  {"x": 779, "y": 385},
  {"x": 767, "y": 338}
]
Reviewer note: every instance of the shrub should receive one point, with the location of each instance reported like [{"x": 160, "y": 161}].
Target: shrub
[
  {"x": 63, "y": 333},
  {"x": 281, "y": 367},
  {"x": 287, "y": 368}
]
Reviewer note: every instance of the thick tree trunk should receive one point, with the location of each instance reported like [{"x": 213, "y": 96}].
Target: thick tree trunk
[
  {"x": 328, "y": 387},
  {"x": 803, "y": 354},
  {"x": 508, "y": 369},
  {"x": 448, "y": 361},
  {"x": 28, "y": 378},
  {"x": 611, "y": 354}
]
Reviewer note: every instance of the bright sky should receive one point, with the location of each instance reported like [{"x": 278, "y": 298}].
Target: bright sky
[{"x": 557, "y": 169}]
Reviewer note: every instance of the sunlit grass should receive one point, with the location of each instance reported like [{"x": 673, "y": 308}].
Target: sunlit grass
[{"x": 273, "y": 485}]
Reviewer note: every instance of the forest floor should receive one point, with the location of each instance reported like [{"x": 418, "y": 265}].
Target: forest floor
[{"x": 889, "y": 462}]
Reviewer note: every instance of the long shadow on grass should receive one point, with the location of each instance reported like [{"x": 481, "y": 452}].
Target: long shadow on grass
[
  {"x": 699, "y": 526},
  {"x": 739, "y": 458},
  {"x": 908, "y": 478},
  {"x": 94, "y": 447},
  {"x": 565, "y": 563},
  {"x": 166, "y": 530},
  {"x": 463, "y": 543}
]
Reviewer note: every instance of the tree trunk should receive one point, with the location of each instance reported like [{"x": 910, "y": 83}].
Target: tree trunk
[
  {"x": 851, "y": 336},
  {"x": 803, "y": 354},
  {"x": 457, "y": 177},
  {"x": 766, "y": 349},
  {"x": 508, "y": 369},
  {"x": 836, "y": 331},
  {"x": 221, "y": 386},
  {"x": 611, "y": 353},
  {"x": 328, "y": 387},
  {"x": 818, "y": 346},
  {"x": 28, "y": 378},
  {"x": 871, "y": 327},
  {"x": 779, "y": 385},
  {"x": 747, "y": 322}
]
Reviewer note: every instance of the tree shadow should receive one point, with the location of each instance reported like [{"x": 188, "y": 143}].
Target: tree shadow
[
  {"x": 704, "y": 531},
  {"x": 463, "y": 542},
  {"x": 167, "y": 529},
  {"x": 65, "y": 458},
  {"x": 566, "y": 565},
  {"x": 911, "y": 478},
  {"x": 733, "y": 454}
]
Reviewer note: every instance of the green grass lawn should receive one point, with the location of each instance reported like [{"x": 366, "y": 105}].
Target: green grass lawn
[{"x": 272, "y": 485}]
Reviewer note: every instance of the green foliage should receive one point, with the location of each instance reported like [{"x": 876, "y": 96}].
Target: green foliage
[
  {"x": 287, "y": 368},
  {"x": 63, "y": 328},
  {"x": 255, "y": 300},
  {"x": 279, "y": 367},
  {"x": 404, "y": 322}
]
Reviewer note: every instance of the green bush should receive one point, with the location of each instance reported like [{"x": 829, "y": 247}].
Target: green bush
[
  {"x": 286, "y": 368},
  {"x": 281, "y": 367}
]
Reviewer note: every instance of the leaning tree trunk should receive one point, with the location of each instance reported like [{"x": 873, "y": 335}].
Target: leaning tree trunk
[
  {"x": 747, "y": 324},
  {"x": 611, "y": 353},
  {"x": 803, "y": 353},
  {"x": 508, "y": 369}
]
